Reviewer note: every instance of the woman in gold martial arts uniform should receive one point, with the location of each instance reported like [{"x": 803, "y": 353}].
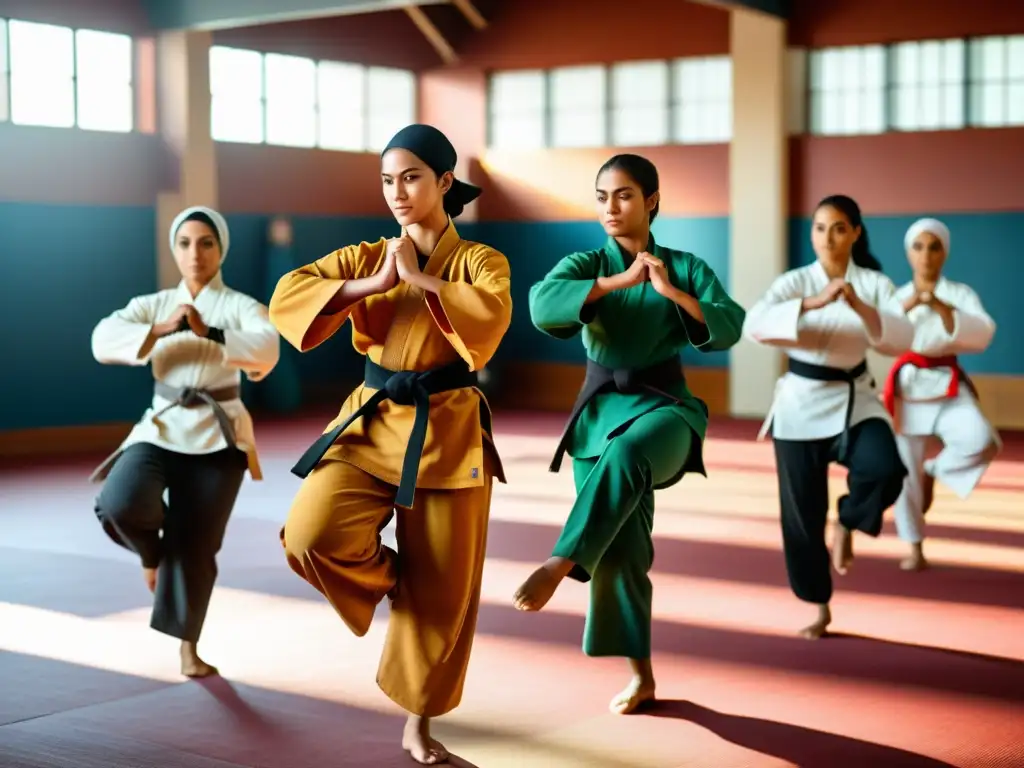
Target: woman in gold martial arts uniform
[
  {"x": 636, "y": 427},
  {"x": 428, "y": 311}
]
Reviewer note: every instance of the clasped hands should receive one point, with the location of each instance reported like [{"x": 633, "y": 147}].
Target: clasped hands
[
  {"x": 401, "y": 262},
  {"x": 835, "y": 290},
  {"x": 647, "y": 268},
  {"x": 185, "y": 317}
]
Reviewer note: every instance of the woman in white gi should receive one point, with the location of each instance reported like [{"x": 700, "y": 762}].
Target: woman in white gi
[
  {"x": 826, "y": 316},
  {"x": 928, "y": 392},
  {"x": 196, "y": 440}
]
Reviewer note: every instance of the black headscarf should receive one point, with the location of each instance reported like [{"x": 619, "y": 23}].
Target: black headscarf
[{"x": 433, "y": 148}]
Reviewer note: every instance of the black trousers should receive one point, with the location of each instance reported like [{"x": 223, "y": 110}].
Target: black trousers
[
  {"x": 875, "y": 481},
  {"x": 201, "y": 492}
]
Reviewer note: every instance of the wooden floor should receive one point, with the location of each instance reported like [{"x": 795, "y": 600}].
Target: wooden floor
[{"x": 925, "y": 670}]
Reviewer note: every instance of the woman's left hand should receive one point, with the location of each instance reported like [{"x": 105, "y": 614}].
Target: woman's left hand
[
  {"x": 195, "y": 322},
  {"x": 658, "y": 275},
  {"x": 406, "y": 259}
]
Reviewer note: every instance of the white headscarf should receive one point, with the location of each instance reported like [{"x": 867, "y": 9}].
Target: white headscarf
[
  {"x": 218, "y": 222},
  {"x": 932, "y": 226}
]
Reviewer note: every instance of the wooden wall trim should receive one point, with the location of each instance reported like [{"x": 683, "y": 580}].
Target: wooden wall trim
[
  {"x": 62, "y": 441},
  {"x": 554, "y": 386}
]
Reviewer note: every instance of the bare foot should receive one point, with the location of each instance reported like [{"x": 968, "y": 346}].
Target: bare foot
[
  {"x": 638, "y": 692},
  {"x": 842, "y": 549},
  {"x": 191, "y": 664},
  {"x": 916, "y": 561},
  {"x": 421, "y": 746},
  {"x": 535, "y": 592},
  {"x": 927, "y": 492},
  {"x": 819, "y": 628},
  {"x": 149, "y": 575}
]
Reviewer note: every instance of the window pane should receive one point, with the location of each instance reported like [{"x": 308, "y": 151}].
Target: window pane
[
  {"x": 103, "y": 57},
  {"x": 930, "y": 116},
  {"x": 290, "y": 80},
  {"x": 105, "y": 107},
  {"x": 953, "y": 61},
  {"x": 579, "y": 128},
  {"x": 380, "y": 129},
  {"x": 872, "y": 116},
  {"x": 3, "y": 46},
  {"x": 931, "y": 62},
  {"x": 990, "y": 60},
  {"x": 1015, "y": 103},
  {"x": 291, "y": 127},
  {"x": 1015, "y": 57},
  {"x": 577, "y": 88},
  {"x": 953, "y": 105},
  {"x": 4, "y": 90},
  {"x": 903, "y": 107},
  {"x": 905, "y": 63},
  {"x": 640, "y": 126},
  {"x": 391, "y": 101},
  {"x": 235, "y": 73},
  {"x": 640, "y": 83},
  {"x": 39, "y": 101},
  {"x": 873, "y": 66},
  {"x": 688, "y": 80},
  {"x": 341, "y": 129},
  {"x": 235, "y": 119},
  {"x": 518, "y": 132},
  {"x": 517, "y": 92},
  {"x": 41, "y": 51}
]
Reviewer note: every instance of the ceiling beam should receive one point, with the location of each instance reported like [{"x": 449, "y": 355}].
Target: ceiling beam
[
  {"x": 779, "y": 8},
  {"x": 432, "y": 33},
  {"x": 473, "y": 16},
  {"x": 226, "y": 14}
]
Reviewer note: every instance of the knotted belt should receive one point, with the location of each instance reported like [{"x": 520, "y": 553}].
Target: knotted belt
[
  {"x": 192, "y": 397},
  {"x": 657, "y": 379},
  {"x": 891, "y": 392},
  {"x": 401, "y": 388},
  {"x": 826, "y": 373}
]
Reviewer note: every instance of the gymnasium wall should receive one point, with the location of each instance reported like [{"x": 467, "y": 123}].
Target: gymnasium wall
[
  {"x": 77, "y": 217},
  {"x": 538, "y": 204},
  {"x": 77, "y": 208}
]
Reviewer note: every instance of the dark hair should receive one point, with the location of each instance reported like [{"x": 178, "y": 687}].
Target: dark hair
[
  {"x": 861, "y": 252},
  {"x": 202, "y": 218},
  {"x": 639, "y": 169},
  {"x": 433, "y": 148}
]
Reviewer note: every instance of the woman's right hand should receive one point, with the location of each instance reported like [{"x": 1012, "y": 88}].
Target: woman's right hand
[
  {"x": 387, "y": 277},
  {"x": 830, "y": 293},
  {"x": 172, "y": 324},
  {"x": 635, "y": 274}
]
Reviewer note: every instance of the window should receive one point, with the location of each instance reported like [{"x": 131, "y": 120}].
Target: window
[
  {"x": 391, "y": 104},
  {"x": 236, "y": 88},
  {"x": 42, "y": 72},
  {"x": 927, "y": 85},
  {"x": 341, "y": 99},
  {"x": 702, "y": 100},
  {"x": 848, "y": 87},
  {"x": 5, "y": 97},
  {"x": 640, "y": 103},
  {"x": 291, "y": 100},
  {"x": 996, "y": 74},
  {"x": 517, "y": 109},
  {"x": 103, "y": 62},
  {"x": 578, "y": 106}
]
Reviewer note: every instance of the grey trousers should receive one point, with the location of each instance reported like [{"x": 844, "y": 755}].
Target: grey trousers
[{"x": 201, "y": 492}]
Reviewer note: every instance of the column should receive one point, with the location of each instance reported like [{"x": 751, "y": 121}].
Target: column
[
  {"x": 758, "y": 194},
  {"x": 183, "y": 65}
]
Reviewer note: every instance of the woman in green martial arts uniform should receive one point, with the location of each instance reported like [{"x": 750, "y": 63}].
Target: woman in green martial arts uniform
[{"x": 636, "y": 427}]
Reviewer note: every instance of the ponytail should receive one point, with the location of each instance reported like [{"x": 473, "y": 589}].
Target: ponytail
[{"x": 861, "y": 252}]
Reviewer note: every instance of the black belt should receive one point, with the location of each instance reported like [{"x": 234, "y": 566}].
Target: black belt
[
  {"x": 401, "y": 388},
  {"x": 656, "y": 379},
  {"x": 825, "y": 373}
]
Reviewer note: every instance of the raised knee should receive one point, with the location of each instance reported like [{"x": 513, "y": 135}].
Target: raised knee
[
  {"x": 625, "y": 454},
  {"x": 314, "y": 532}
]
